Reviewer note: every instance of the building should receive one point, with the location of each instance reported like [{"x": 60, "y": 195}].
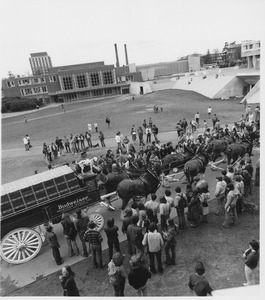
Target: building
[
  {"x": 67, "y": 83},
  {"x": 251, "y": 51},
  {"x": 40, "y": 63}
]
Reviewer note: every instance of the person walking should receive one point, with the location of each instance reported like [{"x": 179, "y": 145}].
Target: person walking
[
  {"x": 209, "y": 112},
  {"x": 197, "y": 118},
  {"x": 251, "y": 256},
  {"x": 81, "y": 227},
  {"x": 70, "y": 234},
  {"x": 138, "y": 276},
  {"x": 25, "y": 141},
  {"x": 108, "y": 121},
  {"x": 111, "y": 231},
  {"x": 89, "y": 127},
  {"x": 220, "y": 195},
  {"x": 92, "y": 235},
  {"x": 171, "y": 242},
  {"x": 198, "y": 283},
  {"x": 117, "y": 275},
  {"x": 54, "y": 244},
  {"x": 154, "y": 243},
  {"x": 68, "y": 282},
  {"x": 102, "y": 138}
]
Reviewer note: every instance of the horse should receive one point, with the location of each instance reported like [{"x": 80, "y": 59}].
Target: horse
[
  {"x": 237, "y": 150},
  {"x": 217, "y": 146},
  {"x": 196, "y": 165},
  {"x": 147, "y": 183},
  {"x": 176, "y": 160}
]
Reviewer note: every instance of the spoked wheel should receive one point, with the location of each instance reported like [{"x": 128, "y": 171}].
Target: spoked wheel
[
  {"x": 98, "y": 219},
  {"x": 20, "y": 245}
]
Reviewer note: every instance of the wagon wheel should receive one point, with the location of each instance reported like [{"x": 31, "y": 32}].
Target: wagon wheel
[
  {"x": 20, "y": 245},
  {"x": 98, "y": 219}
]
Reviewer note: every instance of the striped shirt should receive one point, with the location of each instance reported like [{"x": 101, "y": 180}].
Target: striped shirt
[{"x": 93, "y": 237}]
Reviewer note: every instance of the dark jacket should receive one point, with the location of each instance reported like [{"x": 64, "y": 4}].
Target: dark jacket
[
  {"x": 52, "y": 240},
  {"x": 138, "y": 277},
  {"x": 135, "y": 234},
  {"x": 200, "y": 285},
  {"x": 69, "y": 287},
  {"x": 81, "y": 226},
  {"x": 252, "y": 259},
  {"x": 69, "y": 229},
  {"x": 111, "y": 233}
]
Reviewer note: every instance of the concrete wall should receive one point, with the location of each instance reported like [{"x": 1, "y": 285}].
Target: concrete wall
[
  {"x": 135, "y": 88},
  {"x": 194, "y": 63},
  {"x": 233, "y": 89}
]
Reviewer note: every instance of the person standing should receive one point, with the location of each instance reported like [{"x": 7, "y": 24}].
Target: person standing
[
  {"x": 135, "y": 236},
  {"x": 209, "y": 112},
  {"x": 88, "y": 139},
  {"x": 140, "y": 136},
  {"x": 70, "y": 234},
  {"x": 197, "y": 118},
  {"x": 138, "y": 276},
  {"x": 194, "y": 207},
  {"x": 171, "y": 242},
  {"x": 53, "y": 243},
  {"x": 251, "y": 256},
  {"x": 198, "y": 283},
  {"x": 128, "y": 214},
  {"x": 25, "y": 141},
  {"x": 111, "y": 231},
  {"x": 180, "y": 202},
  {"x": 68, "y": 282},
  {"x": 230, "y": 207},
  {"x": 155, "y": 132},
  {"x": 81, "y": 227},
  {"x": 164, "y": 211},
  {"x": 118, "y": 139},
  {"x": 220, "y": 195},
  {"x": 66, "y": 144},
  {"x": 89, "y": 127},
  {"x": 108, "y": 121},
  {"x": 96, "y": 126},
  {"x": 82, "y": 141},
  {"x": 148, "y": 134},
  {"x": 92, "y": 235},
  {"x": 154, "y": 243},
  {"x": 153, "y": 205},
  {"x": 102, "y": 138},
  {"x": 117, "y": 275},
  {"x": 214, "y": 120},
  {"x": 144, "y": 124}
]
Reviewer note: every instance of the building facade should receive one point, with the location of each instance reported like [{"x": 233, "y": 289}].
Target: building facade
[
  {"x": 68, "y": 83},
  {"x": 251, "y": 50},
  {"x": 40, "y": 63}
]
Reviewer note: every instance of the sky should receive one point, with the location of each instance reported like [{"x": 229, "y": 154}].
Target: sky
[{"x": 82, "y": 31}]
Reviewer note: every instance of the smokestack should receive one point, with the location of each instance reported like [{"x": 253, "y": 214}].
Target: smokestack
[
  {"x": 126, "y": 55},
  {"x": 117, "y": 56}
]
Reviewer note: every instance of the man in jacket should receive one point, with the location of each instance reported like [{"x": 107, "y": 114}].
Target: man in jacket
[
  {"x": 53, "y": 243},
  {"x": 135, "y": 236}
]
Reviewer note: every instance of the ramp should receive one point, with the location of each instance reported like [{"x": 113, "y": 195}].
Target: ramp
[{"x": 253, "y": 95}]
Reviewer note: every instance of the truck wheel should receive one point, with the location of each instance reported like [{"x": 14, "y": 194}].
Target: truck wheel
[
  {"x": 20, "y": 245},
  {"x": 98, "y": 219}
]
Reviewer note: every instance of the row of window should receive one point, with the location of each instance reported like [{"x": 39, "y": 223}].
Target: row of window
[
  {"x": 88, "y": 94},
  {"x": 126, "y": 78},
  {"x": 85, "y": 80},
  {"x": 30, "y": 81},
  {"x": 34, "y": 90}
]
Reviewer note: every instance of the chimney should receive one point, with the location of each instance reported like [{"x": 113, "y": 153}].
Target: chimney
[
  {"x": 126, "y": 55},
  {"x": 117, "y": 56}
]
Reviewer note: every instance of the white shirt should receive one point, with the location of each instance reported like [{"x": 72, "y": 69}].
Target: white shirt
[
  {"x": 154, "y": 240},
  {"x": 25, "y": 141},
  {"x": 152, "y": 205},
  {"x": 89, "y": 126},
  {"x": 209, "y": 110},
  {"x": 118, "y": 138}
]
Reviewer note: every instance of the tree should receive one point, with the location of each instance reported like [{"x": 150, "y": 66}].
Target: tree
[
  {"x": 207, "y": 57},
  {"x": 10, "y": 74}
]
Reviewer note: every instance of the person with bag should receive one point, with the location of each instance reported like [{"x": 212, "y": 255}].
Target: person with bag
[
  {"x": 53, "y": 243},
  {"x": 70, "y": 234},
  {"x": 68, "y": 282},
  {"x": 171, "y": 242},
  {"x": 92, "y": 235},
  {"x": 230, "y": 207},
  {"x": 180, "y": 203},
  {"x": 154, "y": 243},
  {"x": 117, "y": 273}
]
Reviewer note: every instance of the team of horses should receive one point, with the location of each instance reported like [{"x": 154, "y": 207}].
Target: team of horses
[{"x": 143, "y": 180}]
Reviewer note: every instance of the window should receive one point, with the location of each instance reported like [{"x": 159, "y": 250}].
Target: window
[
  {"x": 22, "y": 92},
  {"x": 107, "y": 77},
  {"x": 67, "y": 83},
  {"x": 36, "y": 90},
  {"x": 129, "y": 78},
  {"x": 250, "y": 46},
  {"x": 94, "y": 79},
  {"x": 44, "y": 89},
  {"x": 81, "y": 81},
  {"x": 42, "y": 79},
  {"x": 97, "y": 93},
  {"x": 24, "y": 82},
  {"x": 10, "y": 84},
  {"x": 28, "y": 91},
  {"x": 108, "y": 91},
  {"x": 52, "y": 78}
]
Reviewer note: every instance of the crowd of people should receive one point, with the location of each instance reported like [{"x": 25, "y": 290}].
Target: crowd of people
[{"x": 149, "y": 229}]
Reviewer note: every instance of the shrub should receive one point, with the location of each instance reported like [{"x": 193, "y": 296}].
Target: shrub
[{"x": 19, "y": 104}]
